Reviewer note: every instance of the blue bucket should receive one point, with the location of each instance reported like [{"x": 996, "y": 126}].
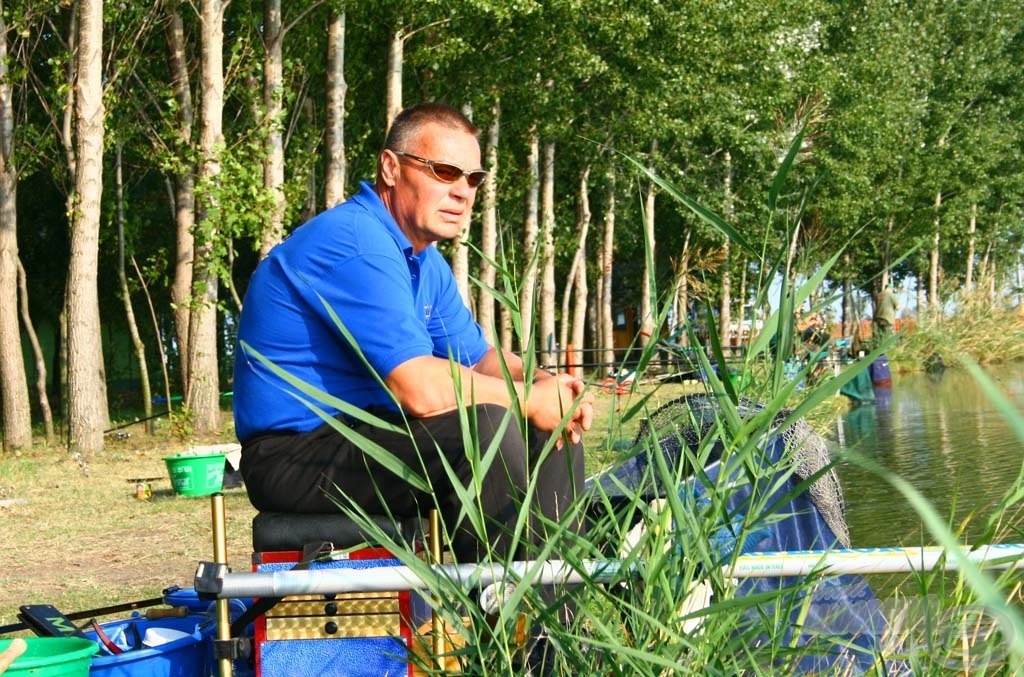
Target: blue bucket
[
  {"x": 881, "y": 375},
  {"x": 186, "y": 647}
]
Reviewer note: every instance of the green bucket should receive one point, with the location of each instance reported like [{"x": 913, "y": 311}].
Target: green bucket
[
  {"x": 196, "y": 474},
  {"x": 52, "y": 657}
]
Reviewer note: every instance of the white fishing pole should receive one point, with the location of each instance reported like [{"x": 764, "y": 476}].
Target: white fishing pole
[
  {"x": 870, "y": 560},
  {"x": 226, "y": 584}
]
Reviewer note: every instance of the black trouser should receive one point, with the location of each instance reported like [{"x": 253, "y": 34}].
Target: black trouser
[{"x": 313, "y": 472}]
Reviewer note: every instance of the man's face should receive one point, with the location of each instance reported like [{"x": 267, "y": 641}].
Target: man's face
[{"x": 426, "y": 208}]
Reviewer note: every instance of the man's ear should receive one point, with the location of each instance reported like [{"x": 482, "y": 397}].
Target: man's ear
[{"x": 389, "y": 168}]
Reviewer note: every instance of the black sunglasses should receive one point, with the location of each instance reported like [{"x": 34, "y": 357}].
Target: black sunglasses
[{"x": 447, "y": 172}]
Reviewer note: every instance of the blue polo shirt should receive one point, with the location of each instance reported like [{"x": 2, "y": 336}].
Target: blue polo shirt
[{"x": 354, "y": 261}]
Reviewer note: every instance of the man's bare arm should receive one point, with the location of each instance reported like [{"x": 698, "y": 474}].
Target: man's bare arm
[{"x": 425, "y": 386}]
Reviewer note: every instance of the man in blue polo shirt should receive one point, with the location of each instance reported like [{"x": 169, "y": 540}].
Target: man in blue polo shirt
[{"x": 359, "y": 303}]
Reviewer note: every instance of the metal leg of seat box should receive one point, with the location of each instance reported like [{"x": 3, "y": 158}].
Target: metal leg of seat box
[
  {"x": 220, "y": 556},
  {"x": 436, "y": 621}
]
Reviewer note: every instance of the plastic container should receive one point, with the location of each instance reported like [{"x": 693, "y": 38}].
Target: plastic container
[
  {"x": 196, "y": 474},
  {"x": 881, "y": 375},
  {"x": 52, "y": 657},
  {"x": 174, "y": 647},
  {"x": 186, "y": 597}
]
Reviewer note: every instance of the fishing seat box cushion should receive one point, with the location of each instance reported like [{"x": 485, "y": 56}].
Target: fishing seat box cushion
[{"x": 343, "y": 634}]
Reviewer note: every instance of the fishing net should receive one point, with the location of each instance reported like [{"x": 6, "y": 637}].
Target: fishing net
[
  {"x": 682, "y": 424},
  {"x": 783, "y": 496}
]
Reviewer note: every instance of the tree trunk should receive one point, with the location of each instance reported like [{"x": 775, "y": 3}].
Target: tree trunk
[
  {"x": 647, "y": 328},
  {"x": 741, "y": 301},
  {"x": 67, "y": 140},
  {"x": 579, "y": 313},
  {"x": 890, "y": 225},
  {"x": 547, "y": 258},
  {"x": 309, "y": 205},
  {"x": 489, "y": 230},
  {"x": 37, "y": 352},
  {"x": 17, "y": 414},
  {"x": 607, "y": 327},
  {"x": 921, "y": 302},
  {"x": 568, "y": 292},
  {"x": 933, "y": 261},
  {"x": 1019, "y": 273},
  {"x": 459, "y": 250},
  {"x": 393, "y": 83},
  {"x": 528, "y": 266},
  {"x": 184, "y": 189},
  {"x": 133, "y": 328},
  {"x": 971, "y": 234},
  {"x": 337, "y": 89},
  {"x": 848, "y": 313},
  {"x": 202, "y": 390},
  {"x": 87, "y": 392},
  {"x": 505, "y": 316},
  {"x": 159, "y": 343},
  {"x": 273, "y": 105}
]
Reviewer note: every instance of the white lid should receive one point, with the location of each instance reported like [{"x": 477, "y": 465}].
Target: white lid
[{"x": 156, "y": 636}]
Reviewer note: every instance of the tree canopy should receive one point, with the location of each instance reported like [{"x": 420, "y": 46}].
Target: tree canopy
[{"x": 911, "y": 112}]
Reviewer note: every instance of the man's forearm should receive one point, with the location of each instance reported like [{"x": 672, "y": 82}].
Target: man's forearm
[{"x": 423, "y": 386}]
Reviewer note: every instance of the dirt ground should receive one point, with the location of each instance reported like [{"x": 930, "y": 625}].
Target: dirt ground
[{"x": 75, "y": 536}]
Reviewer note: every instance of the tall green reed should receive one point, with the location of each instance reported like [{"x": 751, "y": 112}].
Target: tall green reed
[{"x": 673, "y": 610}]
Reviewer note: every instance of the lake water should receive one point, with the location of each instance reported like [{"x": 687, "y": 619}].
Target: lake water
[{"x": 946, "y": 438}]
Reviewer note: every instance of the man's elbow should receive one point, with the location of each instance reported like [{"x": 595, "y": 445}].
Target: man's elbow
[
  {"x": 422, "y": 387},
  {"x": 422, "y": 405}
]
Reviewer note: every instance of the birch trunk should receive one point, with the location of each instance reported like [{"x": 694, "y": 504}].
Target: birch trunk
[
  {"x": 129, "y": 312},
  {"x": 489, "y": 230},
  {"x": 273, "y": 105},
  {"x": 530, "y": 254},
  {"x": 16, "y": 412},
  {"x": 202, "y": 389},
  {"x": 579, "y": 313},
  {"x": 741, "y": 302},
  {"x": 87, "y": 392},
  {"x": 647, "y": 328},
  {"x": 607, "y": 340},
  {"x": 933, "y": 261},
  {"x": 337, "y": 89},
  {"x": 184, "y": 189},
  {"x": 67, "y": 139},
  {"x": 921, "y": 302},
  {"x": 547, "y": 259},
  {"x": 459, "y": 250},
  {"x": 393, "y": 83},
  {"x": 37, "y": 352},
  {"x": 972, "y": 229},
  {"x": 568, "y": 292},
  {"x": 890, "y": 225}
]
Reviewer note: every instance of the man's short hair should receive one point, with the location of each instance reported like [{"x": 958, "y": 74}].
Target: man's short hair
[{"x": 407, "y": 124}]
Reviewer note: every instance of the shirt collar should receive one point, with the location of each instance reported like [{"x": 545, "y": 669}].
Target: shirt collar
[{"x": 367, "y": 198}]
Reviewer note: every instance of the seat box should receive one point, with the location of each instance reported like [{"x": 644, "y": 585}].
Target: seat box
[{"x": 350, "y": 634}]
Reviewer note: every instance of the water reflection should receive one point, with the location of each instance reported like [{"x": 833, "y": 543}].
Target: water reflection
[{"x": 943, "y": 435}]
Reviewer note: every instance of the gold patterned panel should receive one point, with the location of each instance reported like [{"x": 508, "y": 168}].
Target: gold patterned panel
[
  {"x": 378, "y": 625},
  {"x": 341, "y": 607}
]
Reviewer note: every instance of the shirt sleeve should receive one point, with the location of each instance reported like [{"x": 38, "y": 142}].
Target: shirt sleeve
[{"x": 451, "y": 325}]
